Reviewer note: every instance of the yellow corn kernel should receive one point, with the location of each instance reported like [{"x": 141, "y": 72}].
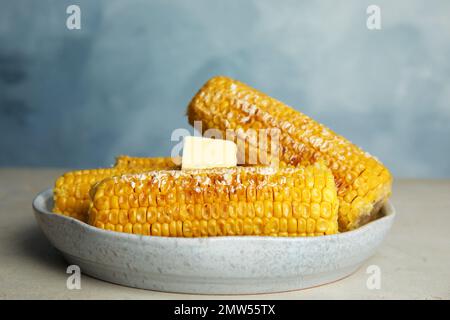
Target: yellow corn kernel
[{"x": 292, "y": 225}]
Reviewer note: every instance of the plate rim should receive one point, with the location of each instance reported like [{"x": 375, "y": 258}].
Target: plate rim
[{"x": 46, "y": 194}]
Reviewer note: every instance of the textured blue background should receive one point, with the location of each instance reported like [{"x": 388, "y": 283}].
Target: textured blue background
[{"x": 120, "y": 85}]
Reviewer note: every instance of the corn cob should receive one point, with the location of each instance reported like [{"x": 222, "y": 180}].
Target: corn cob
[
  {"x": 364, "y": 184},
  {"x": 71, "y": 191},
  {"x": 219, "y": 202},
  {"x": 136, "y": 162}
]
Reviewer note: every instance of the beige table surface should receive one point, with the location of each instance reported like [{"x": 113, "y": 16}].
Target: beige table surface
[{"x": 414, "y": 259}]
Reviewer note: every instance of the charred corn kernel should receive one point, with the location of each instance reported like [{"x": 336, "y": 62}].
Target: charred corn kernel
[
  {"x": 99, "y": 224},
  {"x": 278, "y": 213},
  {"x": 71, "y": 191},
  {"x": 102, "y": 203},
  {"x": 225, "y": 104},
  {"x": 102, "y": 215},
  {"x": 155, "y": 163}
]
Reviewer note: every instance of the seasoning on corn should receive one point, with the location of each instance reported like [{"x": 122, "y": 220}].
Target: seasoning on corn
[
  {"x": 219, "y": 202},
  {"x": 71, "y": 192},
  {"x": 364, "y": 184}
]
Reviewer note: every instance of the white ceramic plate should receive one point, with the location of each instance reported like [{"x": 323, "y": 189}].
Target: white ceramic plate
[{"x": 219, "y": 265}]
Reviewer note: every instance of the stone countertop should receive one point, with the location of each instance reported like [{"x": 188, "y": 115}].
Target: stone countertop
[{"x": 414, "y": 259}]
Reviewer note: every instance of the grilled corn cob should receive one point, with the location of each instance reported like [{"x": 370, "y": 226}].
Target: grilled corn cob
[
  {"x": 71, "y": 191},
  {"x": 219, "y": 202},
  {"x": 136, "y": 162},
  {"x": 364, "y": 184}
]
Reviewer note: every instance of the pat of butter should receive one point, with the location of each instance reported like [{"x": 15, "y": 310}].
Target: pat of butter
[{"x": 202, "y": 153}]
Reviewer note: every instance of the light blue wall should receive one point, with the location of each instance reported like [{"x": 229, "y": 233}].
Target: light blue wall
[{"x": 121, "y": 83}]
